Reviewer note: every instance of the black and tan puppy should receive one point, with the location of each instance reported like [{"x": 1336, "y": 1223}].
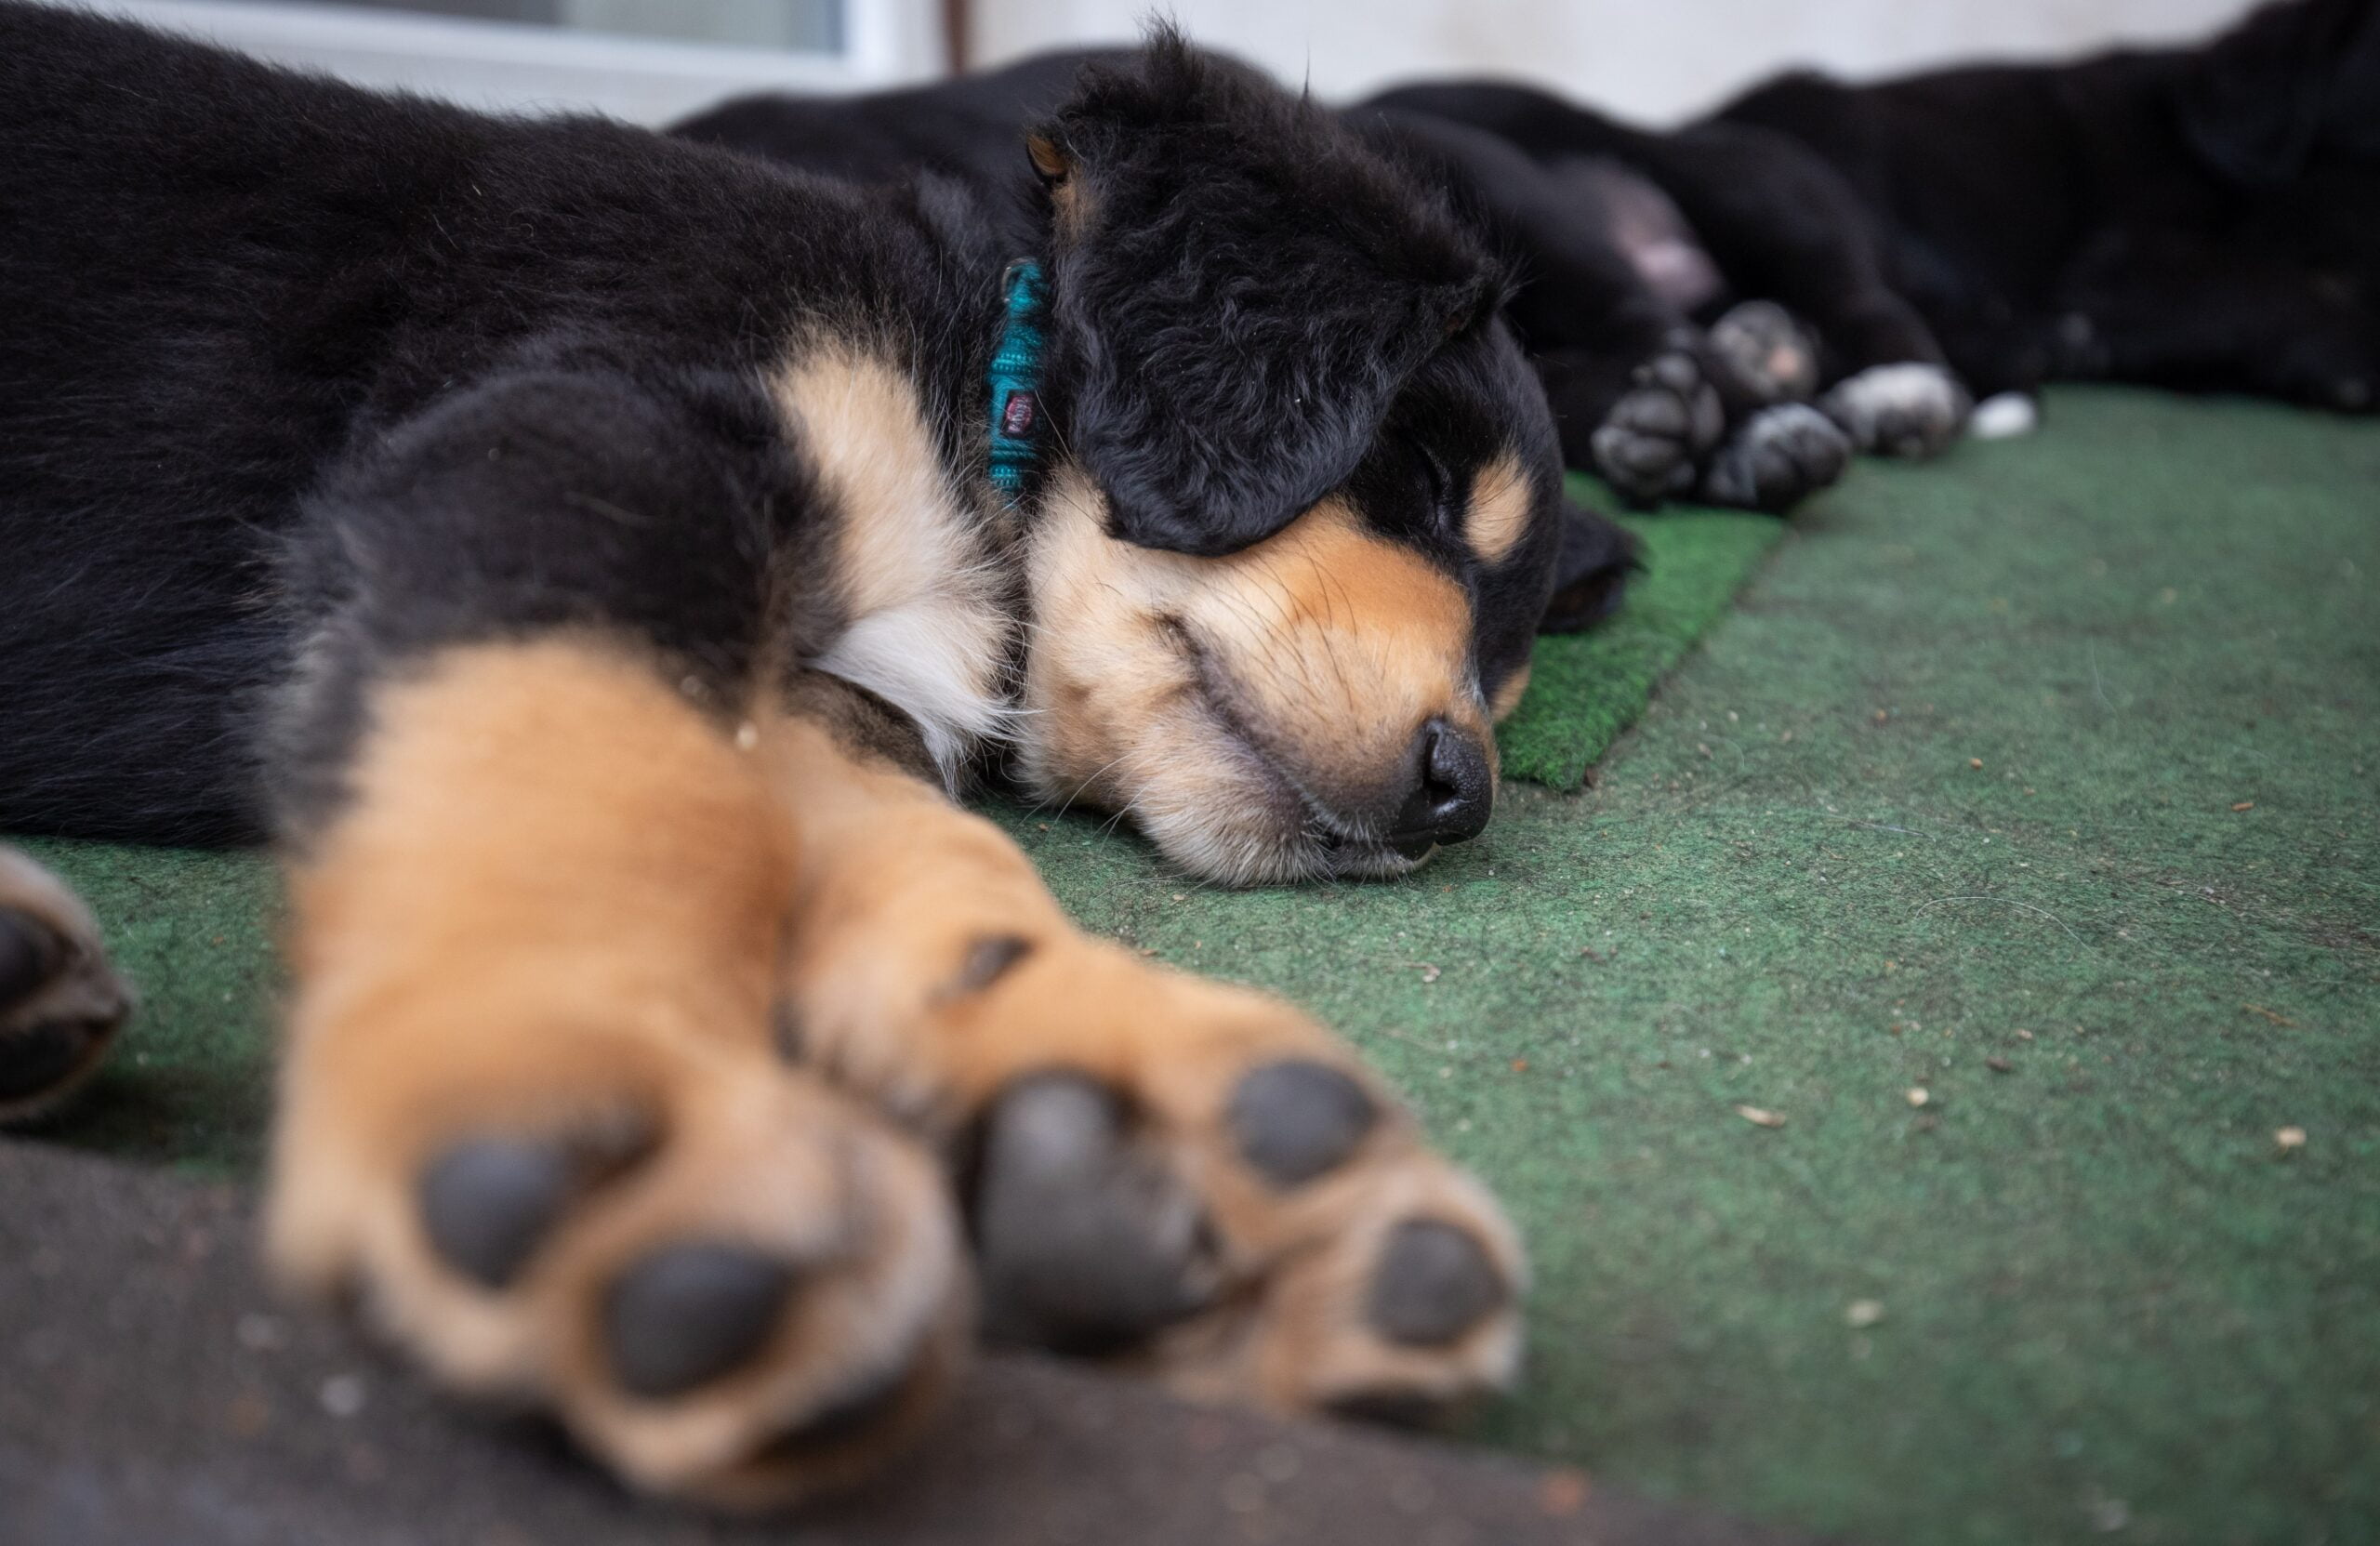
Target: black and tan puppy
[
  {"x": 594, "y": 557},
  {"x": 1456, "y": 420},
  {"x": 2206, "y": 219},
  {"x": 1598, "y": 329}
]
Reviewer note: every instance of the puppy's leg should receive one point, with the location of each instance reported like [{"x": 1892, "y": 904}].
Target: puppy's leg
[
  {"x": 1192, "y": 1179},
  {"x": 533, "y": 1113},
  {"x": 60, "y": 1001},
  {"x": 1784, "y": 224}
]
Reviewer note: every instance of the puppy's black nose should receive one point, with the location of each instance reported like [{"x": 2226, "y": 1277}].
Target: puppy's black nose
[{"x": 1453, "y": 791}]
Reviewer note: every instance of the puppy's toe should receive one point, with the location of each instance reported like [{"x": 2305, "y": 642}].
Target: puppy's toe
[
  {"x": 1773, "y": 355},
  {"x": 728, "y": 1281},
  {"x": 60, "y": 1001},
  {"x": 1648, "y": 446},
  {"x": 1238, "y": 1209},
  {"x": 1781, "y": 455},
  {"x": 1902, "y": 410},
  {"x": 1088, "y": 1242}
]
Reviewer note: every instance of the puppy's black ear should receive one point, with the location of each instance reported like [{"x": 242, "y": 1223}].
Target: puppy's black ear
[
  {"x": 1597, "y": 559},
  {"x": 2291, "y": 80},
  {"x": 1239, "y": 287}
]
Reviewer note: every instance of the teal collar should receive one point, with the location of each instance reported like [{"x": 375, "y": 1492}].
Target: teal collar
[{"x": 1015, "y": 378}]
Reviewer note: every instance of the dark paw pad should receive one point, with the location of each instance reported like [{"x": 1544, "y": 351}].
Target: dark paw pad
[
  {"x": 1087, "y": 1242},
  {"x": 1296, "y": 1121},
  {"x": 1433, "y": 1283},
  {"x": 685, "y": 1316},
  {"x": 30, "y": 955},
  {"x": 487, "y": 1203}
]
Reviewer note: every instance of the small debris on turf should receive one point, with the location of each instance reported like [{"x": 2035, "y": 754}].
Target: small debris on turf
[
  {"x": 1759, "y": 1118},
  {"x": 2290, "y": 1140},
  {"x": 2245, "y": 805},
  {"x": 1975, "y": 762},
  {"x": 1520, "y": 1065},
  {"x": 2277, "y": 1018},
  {"x": 1861, "y": 1314},
  {"x": 2000, "y": 1065},
  {"x": 2024, "y": 1035},
  {"x": 1920, "y": 1095}
]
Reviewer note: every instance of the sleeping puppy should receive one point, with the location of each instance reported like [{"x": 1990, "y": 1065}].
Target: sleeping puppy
[
  {"x": 594, "y": 557},
  {"x": 968, "y": 127},
  {"x": 2206, "y": 219},
  {"x": 1664, "y": 379},
  {"x": 1689, "y": 293},
  {"x": 1609, "y": 341}
]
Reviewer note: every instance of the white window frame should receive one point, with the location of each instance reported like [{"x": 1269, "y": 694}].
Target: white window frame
[{"x": 515, "y": 67}]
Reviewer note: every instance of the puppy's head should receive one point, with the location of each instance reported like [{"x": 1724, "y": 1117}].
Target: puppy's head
[
  {"x": 1322, "y": 701},
  {"x": 1238, "y": 288}
]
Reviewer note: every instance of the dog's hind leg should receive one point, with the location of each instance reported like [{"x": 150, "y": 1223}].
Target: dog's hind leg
[
  {"x": 1192, "y": 1180},
  {"x": 1784, "y": 224},
  {"x": 61, "y": 999}
]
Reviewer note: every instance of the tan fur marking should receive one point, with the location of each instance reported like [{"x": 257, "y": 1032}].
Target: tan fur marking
[
  {"x": 1325, "y": 651},
  {"x": 1498, "y": 516},
  {"x": 1509, "y": 695},
  {"x": 929, "y": 616}
]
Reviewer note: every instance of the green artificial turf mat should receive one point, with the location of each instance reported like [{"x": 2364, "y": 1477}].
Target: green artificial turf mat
[
  {"x": 1584, "y": 689},
  {"x": 2105, "y": 1303}
]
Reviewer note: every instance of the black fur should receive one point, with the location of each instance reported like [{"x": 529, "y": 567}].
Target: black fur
[
  {"x": 1465, "y": 397},
  {"x": 2205, "y": 217},
  {"x": 1224, "y": 370}
]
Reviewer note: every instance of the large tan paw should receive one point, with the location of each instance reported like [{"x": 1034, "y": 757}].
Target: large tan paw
[
  {"x": 60, "y": 1001},
  {"x": 1191, "y": 1180},
  {"x": 727, "y": 1280},
  {"x": 1229, "y": 1201}
]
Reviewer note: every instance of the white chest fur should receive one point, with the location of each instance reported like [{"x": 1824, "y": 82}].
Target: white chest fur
[{"x": 929, "y": 623}]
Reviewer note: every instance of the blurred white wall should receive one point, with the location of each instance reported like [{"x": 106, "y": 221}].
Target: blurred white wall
[{"x": 1652, "y": 59}]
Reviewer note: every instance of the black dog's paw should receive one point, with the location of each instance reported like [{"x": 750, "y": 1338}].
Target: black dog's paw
[
  {"x": 1650, "y": 443},
  {"x": 1781, "y": 455},
  {"x": 1904, "y": 410},
  {"x": 1773, "y": 355},
  {"x": 60, "y": 1002}
]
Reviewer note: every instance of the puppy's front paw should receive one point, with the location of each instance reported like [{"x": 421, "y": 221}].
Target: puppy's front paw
[
  {"x": 728, "y": 1281},
  {"x": 1781, "y": 455},
  {"x": 1195, "y": 1182},
  {"x": 1904, "y": 410},
  {"x": 1655, "y": 436},
  {"x": 60, "y": 1001},
  {"x": 1773, "y": 355}
]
